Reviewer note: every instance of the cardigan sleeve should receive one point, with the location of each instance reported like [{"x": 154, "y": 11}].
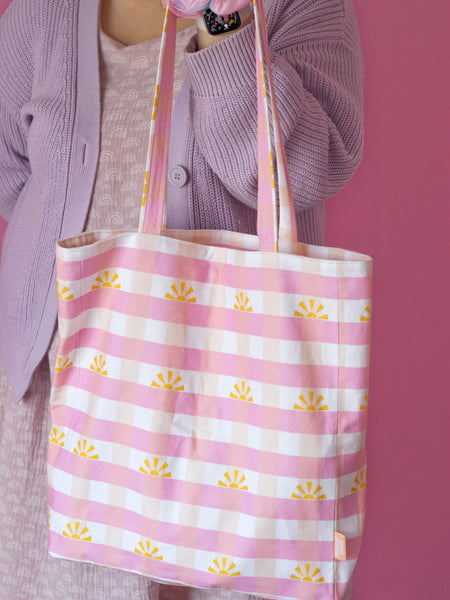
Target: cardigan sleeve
[
  {"x": 318, "y": 77},
  {"x": 15, "y": 89},
  {"x": 14, "y": 164}
]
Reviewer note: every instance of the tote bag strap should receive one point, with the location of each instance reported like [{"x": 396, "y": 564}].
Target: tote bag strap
[
  {"x": 268, "y": 232},
  {"x": 152, "y": 217}
]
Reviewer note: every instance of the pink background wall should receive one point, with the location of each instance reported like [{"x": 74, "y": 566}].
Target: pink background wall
[{"x": 396, "y": 209}]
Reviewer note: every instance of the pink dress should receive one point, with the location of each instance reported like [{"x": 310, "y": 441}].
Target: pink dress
[{"x": 27, "y": 572}]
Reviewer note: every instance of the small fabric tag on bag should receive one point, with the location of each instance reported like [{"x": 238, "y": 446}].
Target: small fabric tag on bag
[{"x": 340, "y": 546}]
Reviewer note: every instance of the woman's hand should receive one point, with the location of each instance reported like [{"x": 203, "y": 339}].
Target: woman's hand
[{"x": 194, "y": 8}]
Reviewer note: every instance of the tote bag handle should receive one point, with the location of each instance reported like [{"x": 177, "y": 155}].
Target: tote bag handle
[{"x": 269, "y": 228}]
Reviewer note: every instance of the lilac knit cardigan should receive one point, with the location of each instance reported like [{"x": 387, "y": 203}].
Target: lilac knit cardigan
[{"x": 50, "y": 124}]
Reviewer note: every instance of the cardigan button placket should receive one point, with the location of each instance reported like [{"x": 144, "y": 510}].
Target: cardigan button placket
[{"x": 178, "y": 176}]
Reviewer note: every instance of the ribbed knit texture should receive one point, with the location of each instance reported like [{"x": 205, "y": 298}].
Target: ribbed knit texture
[{"x": 49, "y": 138}]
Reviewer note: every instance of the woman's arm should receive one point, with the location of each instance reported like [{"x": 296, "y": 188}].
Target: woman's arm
[
  {"x": 318, "y": 73},
  {"x": 15, "y": 81},
  {"x": 14, "y": 166}
]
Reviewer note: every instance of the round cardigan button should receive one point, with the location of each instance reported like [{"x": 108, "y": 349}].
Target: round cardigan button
[{"x": 178, "y": 176}]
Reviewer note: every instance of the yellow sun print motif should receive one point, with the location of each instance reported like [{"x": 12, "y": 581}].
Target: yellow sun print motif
[
  {"x": 312, "y": 313},
  {"x": 73, "y": 531},
  {"x": 368, "y": 314},
  {"x": 99, "y": 364},
  {"x": 243, "y": 303},
  {"x": 62, "y": 364},
  {"x": 63, "y": 291},
  {"x": 143, "y": 548},
  {"x": 242, "y": 393},
  {"x": 155, "y": 102},
  {"x": 54, "y": 438},
  {"x": 311, "y": 404},
  {"x": 166, "y": 383},
  {"x": 365, "y": 402},
  {"x": 263, "y": 77},
  {"x": 106, "y": 282},
  {"x": 307, "y": 575},
  {"x": 360, "y": 481},
  {"x": 144, "y": 192},
  {"x": 224, "y": 568},
  {"x": 81, "y": 450},
  {"x": 181, "y": 293},
  {"x": 310, "y": 494},
  {"x": 236, "y": 482},
  {"x": 155, "y": 470},
  {"x": 272, "y": 177}
]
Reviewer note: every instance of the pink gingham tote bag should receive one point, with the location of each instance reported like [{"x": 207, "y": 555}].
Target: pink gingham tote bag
[{"x": 210, "y": 392}]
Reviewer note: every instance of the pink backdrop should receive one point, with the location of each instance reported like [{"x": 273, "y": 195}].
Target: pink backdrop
[{"x": 385, "y": 211}]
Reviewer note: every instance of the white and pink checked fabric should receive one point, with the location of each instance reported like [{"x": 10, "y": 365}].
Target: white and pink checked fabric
[{"x": 209, "y": 399}]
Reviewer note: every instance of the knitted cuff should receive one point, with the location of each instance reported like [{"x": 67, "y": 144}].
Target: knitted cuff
[{"x": 227, "y": 65}]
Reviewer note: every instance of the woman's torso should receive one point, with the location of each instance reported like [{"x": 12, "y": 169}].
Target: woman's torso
[{"x": 127, "y": 79}]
